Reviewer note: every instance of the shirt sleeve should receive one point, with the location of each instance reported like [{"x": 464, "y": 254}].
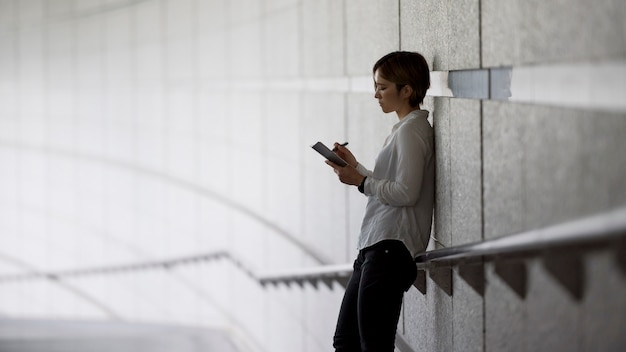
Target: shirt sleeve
[
  {"x": 363, "y": 171},
  {"x": 404, "y": 188}
]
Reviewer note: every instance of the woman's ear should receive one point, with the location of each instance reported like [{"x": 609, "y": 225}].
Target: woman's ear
[{"x": 406, "y": 91}]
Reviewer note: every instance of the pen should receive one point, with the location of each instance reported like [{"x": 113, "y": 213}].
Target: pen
[{"x": 342, "y": 144}]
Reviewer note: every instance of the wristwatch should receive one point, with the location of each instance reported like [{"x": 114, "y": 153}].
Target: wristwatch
[{"x": 362, "y": 185}]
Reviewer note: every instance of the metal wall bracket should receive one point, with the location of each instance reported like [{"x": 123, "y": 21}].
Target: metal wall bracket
[
  {"x": 515, "y": 274},
  {"x": 442, "y": 277}
]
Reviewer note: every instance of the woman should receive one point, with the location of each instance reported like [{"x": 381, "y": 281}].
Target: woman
[{"x": 397, "y": 222}]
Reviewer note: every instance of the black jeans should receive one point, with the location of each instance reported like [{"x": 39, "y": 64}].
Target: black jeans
[{"x": 371, "y": 304}]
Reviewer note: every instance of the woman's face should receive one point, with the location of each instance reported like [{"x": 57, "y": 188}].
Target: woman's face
[{"x": 387, "y": 94}]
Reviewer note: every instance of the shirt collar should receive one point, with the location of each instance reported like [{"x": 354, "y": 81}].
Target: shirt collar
[{"x": 412, "y": 115}]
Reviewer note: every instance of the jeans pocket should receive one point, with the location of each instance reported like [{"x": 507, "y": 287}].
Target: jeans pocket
[{"x": 394, "y": 264}]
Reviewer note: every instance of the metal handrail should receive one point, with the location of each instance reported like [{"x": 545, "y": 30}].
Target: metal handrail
[
  {"x": 114, "y": 268},
  {"x": 327, "y": 274},
  {"x": 604, "y": 227}
]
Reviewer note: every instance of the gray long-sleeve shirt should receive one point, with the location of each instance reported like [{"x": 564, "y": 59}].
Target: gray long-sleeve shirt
[{"x": 401, "y": 189}]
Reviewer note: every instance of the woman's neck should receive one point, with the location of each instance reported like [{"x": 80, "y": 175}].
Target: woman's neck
[{"x": 404, "y": 112}]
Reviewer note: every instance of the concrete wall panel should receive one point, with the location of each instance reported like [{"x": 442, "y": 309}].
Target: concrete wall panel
[
  {"x": 552, "y": 147},
  {"x": 456, "y": 42},
  {"x": 602, "y": 305},
  {"x": 573, "y": 324},
  {"x": 523, "y": 32},
  {"x": 503, "y": 170},
  {"x": 547, "y": 296},
  {"x": 468, "y": 309},
  {"x": 438, "y": 311},
  {"x": 505, "y": 325},
  {"x": 465, "y": 171},
  {"x": 538, "y": 161},
  {"x": 419, "y": 333},
  {"x": 465, "y": 182}
]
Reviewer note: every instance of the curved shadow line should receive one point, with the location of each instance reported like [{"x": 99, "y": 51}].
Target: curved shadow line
[
  {"x": 76, "y": 291},
  {"x": 166, "y": 266},
  {"x": 182, "y": 184},
  {"x": 205, "y": 296}
]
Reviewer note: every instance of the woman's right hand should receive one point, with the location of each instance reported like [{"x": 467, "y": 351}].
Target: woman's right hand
[{"x": 345, "y": 154}]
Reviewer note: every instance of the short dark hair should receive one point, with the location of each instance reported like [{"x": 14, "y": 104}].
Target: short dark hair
[{"x": 406, "y": 68}]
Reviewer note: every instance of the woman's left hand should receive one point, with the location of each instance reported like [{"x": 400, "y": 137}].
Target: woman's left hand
[{"x": 347, "y": 174}]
